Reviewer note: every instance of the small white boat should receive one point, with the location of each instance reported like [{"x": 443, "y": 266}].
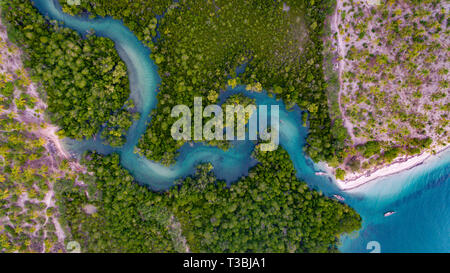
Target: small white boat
[
  {"x": 338, "y": 197},
  {"x": 321, "y": 173},
  {"x": 389, "y": 213}
]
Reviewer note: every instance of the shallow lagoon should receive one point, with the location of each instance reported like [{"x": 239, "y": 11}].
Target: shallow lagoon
[{"x": 420, "y": 196}]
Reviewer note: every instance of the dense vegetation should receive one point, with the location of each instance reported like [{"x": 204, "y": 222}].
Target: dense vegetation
[
  {"x": 86, "y": 82},
  {"x": 117, "y": 125},
  {"x": 200, "y": 44},
  {"x": 108, "y": 212},
  {"x": 264, "y": 212}
]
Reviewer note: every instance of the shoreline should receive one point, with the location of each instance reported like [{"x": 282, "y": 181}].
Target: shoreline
[{"x": 400, "y": 165}]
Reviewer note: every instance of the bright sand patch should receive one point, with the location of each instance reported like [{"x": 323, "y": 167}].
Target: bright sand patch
[{"x": 401, "y": 164}]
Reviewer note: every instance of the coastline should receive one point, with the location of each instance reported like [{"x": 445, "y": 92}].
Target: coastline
[{"x": 401, "y": 164}]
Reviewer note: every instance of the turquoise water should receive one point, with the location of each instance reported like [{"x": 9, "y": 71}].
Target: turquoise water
[{"x": 419, "y": 196}]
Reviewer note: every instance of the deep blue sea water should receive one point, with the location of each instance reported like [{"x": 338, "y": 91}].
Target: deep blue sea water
[{"x": 420, "y": 196}]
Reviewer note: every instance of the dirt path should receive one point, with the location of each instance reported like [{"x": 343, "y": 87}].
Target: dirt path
[
  {"x": 11, "y": 67},
  {"x": 335, "y": 20}
]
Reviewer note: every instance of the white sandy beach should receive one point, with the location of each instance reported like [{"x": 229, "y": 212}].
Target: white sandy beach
[{"x": 404, "y": 163}]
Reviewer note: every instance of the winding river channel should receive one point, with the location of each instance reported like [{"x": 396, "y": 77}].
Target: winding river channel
[{"x": 420, "y": 196}]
